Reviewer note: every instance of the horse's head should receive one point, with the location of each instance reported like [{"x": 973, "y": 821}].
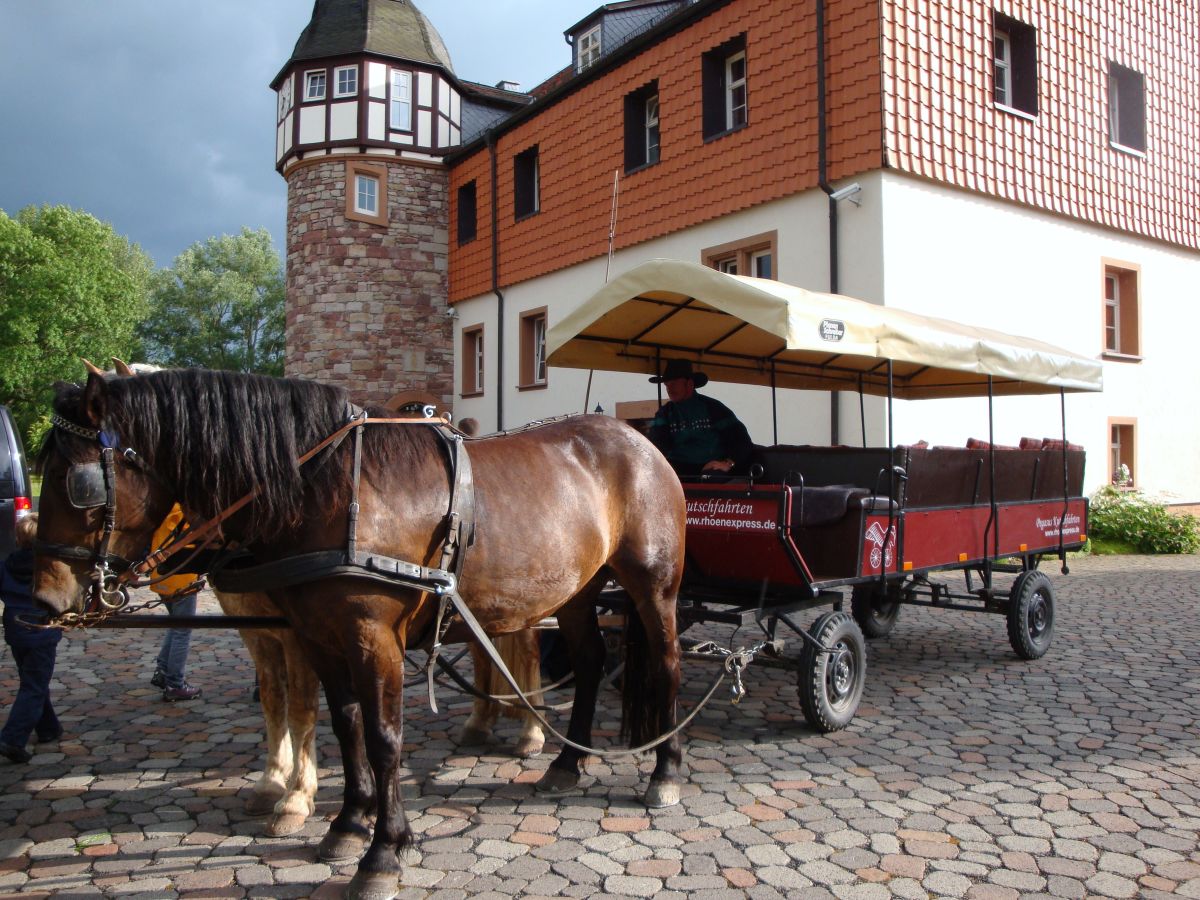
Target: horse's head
[{"x": 99, "y": 503}]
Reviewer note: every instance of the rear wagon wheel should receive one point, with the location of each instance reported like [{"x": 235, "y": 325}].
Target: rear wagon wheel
[
  {"x": 874, "y": 610},
  {"x": 1031, "y": 615},
  {"x": 831, "y": 683}
]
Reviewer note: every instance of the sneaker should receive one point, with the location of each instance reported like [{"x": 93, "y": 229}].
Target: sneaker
[
  {"x": 15, "y": 754},
  {"x": 184, "y": 692},
  {"x": 159, "y": 678}
]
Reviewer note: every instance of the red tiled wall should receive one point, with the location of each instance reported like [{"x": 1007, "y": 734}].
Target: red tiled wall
[
  {"x": 581, "y": 141},
  {"x": 942, "y": 124}
]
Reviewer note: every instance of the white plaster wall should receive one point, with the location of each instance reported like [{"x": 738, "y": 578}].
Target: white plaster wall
[
  {"x": 312, "y": 124},
  {"x": 343, "y": 121},
  {"x": 979, "y": 261}
]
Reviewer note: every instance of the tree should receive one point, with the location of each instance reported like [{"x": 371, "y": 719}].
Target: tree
[
  {"x": 70, "y": 287},
  {"x": 221, "y": 306}
]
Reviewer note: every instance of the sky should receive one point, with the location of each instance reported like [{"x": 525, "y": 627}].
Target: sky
[{"x": 156, "y": 116}]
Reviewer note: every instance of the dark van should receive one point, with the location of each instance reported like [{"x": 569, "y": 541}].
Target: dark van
[{"x": 15, "y": 494}]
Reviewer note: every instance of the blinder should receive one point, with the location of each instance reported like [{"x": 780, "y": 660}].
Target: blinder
[{"x": 86, "y": 488}]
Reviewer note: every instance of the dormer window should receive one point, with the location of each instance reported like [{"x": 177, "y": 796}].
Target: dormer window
[
  {"x": 314, "y": 85},
  {"x": 345, "y": 81},
  {"x": 587, "y": 49}
]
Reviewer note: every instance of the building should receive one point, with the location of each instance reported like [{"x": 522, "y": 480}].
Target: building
[{"x": 1025, "y": 165}]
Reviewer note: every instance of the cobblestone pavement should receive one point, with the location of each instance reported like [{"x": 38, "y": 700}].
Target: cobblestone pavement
[{"x": 967, "y": 773}]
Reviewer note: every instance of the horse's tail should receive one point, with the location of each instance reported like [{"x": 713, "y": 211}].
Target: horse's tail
[{"x": 639, "y": 706}]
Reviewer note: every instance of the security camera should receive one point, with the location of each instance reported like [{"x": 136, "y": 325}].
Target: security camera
[
  {"x": 452, "y": 313},
  {"x": 849, "y": 192}
]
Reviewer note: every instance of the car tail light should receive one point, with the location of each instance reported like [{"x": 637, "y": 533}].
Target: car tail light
[{"x": 21, "y": 507}]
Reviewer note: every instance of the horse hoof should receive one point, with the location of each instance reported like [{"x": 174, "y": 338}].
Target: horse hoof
[
  {"x": 557, "y": 782},
  {"x": 285, "y": 824},
  {"x": 528, "y": 747},
  {"x": 373, "y": 886},
  {"x": 262, "y": 804},
  {"x": 662, "y": 793},
  {"x": 473, "y": 737},
  {"x": 339, "y": 846}
]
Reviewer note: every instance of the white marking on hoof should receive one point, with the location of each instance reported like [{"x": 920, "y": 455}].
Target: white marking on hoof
[
  {"x": 556, "y": 782},
  {"x": 662, "y": 793}
]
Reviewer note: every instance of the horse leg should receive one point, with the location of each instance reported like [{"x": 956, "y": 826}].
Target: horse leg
[
  {"x": 297, "y": 804},
  {"x": 652, "y": 661},
  {"x": 272, "y": 692},
  {"x": 483, "y": 712},
  {"x": 377, "y": 671},
  {"x": 581, "y": 630},
  {"x": 520, "y": 654}
]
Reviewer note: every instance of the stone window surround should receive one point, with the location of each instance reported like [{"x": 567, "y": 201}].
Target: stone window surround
[{"x": 354, "y": 168}]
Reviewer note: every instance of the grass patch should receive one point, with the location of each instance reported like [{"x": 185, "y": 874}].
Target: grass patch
[{"x": 1111, "y": 547}]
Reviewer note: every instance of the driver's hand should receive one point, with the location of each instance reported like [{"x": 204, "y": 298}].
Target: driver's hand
[{"x": 718, "y": 465}]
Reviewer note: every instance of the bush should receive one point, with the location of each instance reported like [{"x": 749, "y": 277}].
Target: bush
[{"x": 1130, "y": 517}]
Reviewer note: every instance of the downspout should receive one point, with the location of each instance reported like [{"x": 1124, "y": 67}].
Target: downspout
[
  {"x": 823, "y": 181},
  {"x": 491, "y": 144}
]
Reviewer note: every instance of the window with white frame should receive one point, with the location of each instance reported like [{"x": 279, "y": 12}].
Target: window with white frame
[
  {"x": 472, "y": 361},
  {"x": 724, "y": 87},
  {"x": 1014, "y": 65},
  {"x": 400, "y": 102},
  {"x": 1121, "y": 313},
  {"x": 1126, "y": 107},
  {"x": 345, "y": 81},
  {"x": 750, "y": 256},
  {"x": 366, "y": 193},
  {"x": 642, "y": 134},
  {"x": 314, "y": 85},
  {"x": 587, "y": 49},
  {"x": 533, "y": 349}
]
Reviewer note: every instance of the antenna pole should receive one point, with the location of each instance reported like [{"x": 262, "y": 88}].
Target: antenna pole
[{"x": 612, "y": 237}]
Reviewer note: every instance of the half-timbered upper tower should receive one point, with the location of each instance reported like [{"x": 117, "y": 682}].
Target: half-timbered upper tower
[{"x": 367, "y": 106}]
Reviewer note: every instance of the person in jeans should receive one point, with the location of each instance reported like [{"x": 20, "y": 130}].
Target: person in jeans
[
  {"x": 33, "y": 649},
  {"x": 171, "y": 665}
]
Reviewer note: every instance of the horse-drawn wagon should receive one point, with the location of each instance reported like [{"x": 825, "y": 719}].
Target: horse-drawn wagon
[{"x": 809, "y": 522}]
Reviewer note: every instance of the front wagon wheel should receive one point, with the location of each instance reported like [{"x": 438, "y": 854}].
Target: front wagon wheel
[
  {"x": 831, "y": 681},
  {"x": 1031, "y": 615},
  {"x": 875, "y": 610}
]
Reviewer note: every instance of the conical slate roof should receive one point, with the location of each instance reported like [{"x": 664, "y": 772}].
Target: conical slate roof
[{"x": 392, "y": 28}]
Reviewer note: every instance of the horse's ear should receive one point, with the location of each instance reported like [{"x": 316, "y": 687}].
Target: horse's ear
[
  {"x": 95, "y": 400},
  {"x": 122, "y": 368},
  {"x": 92, "y": 368}
]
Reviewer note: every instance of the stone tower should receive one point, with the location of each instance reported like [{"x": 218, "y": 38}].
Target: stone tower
[{"x": 367, "y": 106}]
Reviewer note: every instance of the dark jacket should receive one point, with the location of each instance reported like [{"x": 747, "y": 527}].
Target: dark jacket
[
  {"x": 16, "y": 579},
  {"x": 698, "y": 430}
]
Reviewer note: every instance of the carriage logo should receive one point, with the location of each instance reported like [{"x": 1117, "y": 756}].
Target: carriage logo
[
  {"x": 883, "y": 549},
  {"x": 832, "y": 330}
]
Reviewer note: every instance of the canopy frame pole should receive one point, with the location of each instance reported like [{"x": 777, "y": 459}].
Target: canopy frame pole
[
  {"x": 862, "y": 410},
  {"x": 891, "y": 392},
  {"x": 774, "y": 408},
  {"x": 1062, "y": 525},
  {"x": 993, "y": 522}
]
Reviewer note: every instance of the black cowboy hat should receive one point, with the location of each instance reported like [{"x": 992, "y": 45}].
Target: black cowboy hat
[{"x": 680, "y": 368}]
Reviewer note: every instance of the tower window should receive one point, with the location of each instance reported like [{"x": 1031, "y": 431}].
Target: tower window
[
  {"x": 346, "y": 81},
  {"x": 314, "y": 85},
  {"x": 366, "y": 193},
  {"x": 526, "y": 183},
  {"x": 588, "y": 51},
  {"x": 724, "y": 88},
  {"x": 641, "y": 127},
  {"x": 1126, "y": 107},
  {"x": 400, "y": 103},
  {"x": 1014, "y": 65},
  {"x": 467, "y": 212},
  {"x": 533, "y": 349}
]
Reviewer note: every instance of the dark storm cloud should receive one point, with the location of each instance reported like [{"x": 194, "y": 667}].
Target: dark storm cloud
[{"x": 156, "y": 115}]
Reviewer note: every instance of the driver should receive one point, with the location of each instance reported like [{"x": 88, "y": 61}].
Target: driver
[{"x": 697, "y": 434}]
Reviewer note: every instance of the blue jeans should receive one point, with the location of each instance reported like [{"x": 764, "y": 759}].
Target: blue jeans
[
  {"x": 172, "y": 656},
  {"x": 31, "y": 709}
]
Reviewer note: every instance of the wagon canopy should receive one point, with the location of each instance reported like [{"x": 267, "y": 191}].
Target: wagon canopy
[{"x": 758, "y": 331}]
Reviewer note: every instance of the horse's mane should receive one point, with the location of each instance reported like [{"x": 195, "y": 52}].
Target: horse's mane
[{"x": 213, "y": 436}]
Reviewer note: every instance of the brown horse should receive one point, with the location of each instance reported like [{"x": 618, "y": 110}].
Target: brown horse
[{"x": 558, "y": 510}]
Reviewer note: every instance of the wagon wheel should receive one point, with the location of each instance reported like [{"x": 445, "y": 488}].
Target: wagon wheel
[
  {"x": 831, "y": 684},
  {"x": 1031, "y": 615},
  {"x": 875, "y": 610}
]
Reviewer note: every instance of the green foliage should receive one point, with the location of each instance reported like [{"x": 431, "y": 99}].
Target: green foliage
[
  {"x": 70, "y": 287},
  {"x": 221, "y": 306},
  {"x": 1129, "y": 517}
]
